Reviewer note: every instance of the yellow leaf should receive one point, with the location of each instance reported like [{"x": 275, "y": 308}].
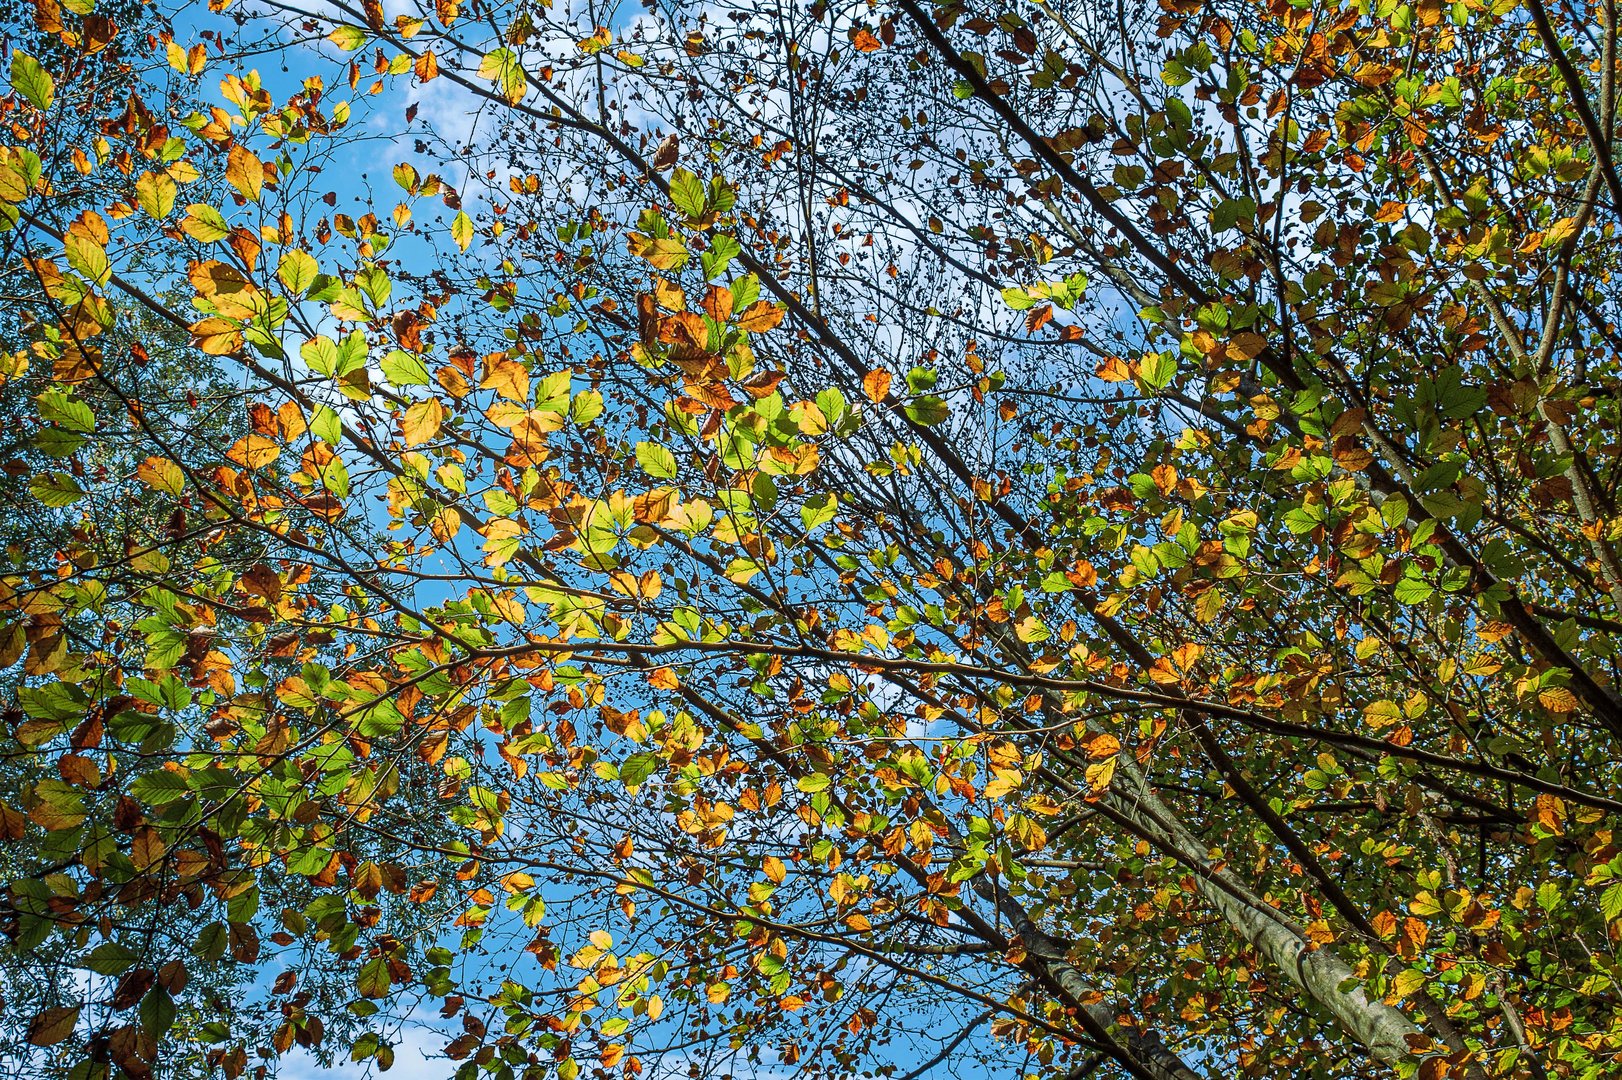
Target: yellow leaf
[
  {"x": 422, "y": 421},
  {"x": 245, "y": 172},
  {"x": 1407, "y": 981},
  {"x": 156, "y": 194},
  {"x": 1100, "y": 775},
  {"x": 775, "y": 870},
  {"x": 667, "y": 253},
  {"x": 161, "y": 474},
  {"x": 1557, "y": 699},
  {"x": 1390, "y": 211},
  {"x": 86, "y": 245},
  {"x": 508, "y": 378},
  {"x": 1004, "y": 782},
  {"x": 1103, "y": 746},
  {"x": 216, "y": 336},
  {"x": 759, "y": 317},
  {"x": 254, "y": 451}
]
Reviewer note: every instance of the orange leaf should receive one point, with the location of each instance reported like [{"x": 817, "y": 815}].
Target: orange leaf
[
  {"x": 876, "y": 384},
  {"x": 863, "y": 39},
  {"x": 508, "y": 378},
  {"x": 759, "y": 317}
]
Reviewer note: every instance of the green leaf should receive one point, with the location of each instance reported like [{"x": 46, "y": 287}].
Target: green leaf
[
  {"x": 297, "y": 271},
  {"x": 1157, "y": 370},
  {"x": 637, "y": 768},
  {"x": 111, "y": 958},
  {"x": 586, "y": 407},
  {"x": 655, "y": 460},
  {"x": 57, "y": 443},
  {"x": 161, "y": 788},
  {"x": 374, "y": 282},
  {"x": 1610, "y": 901},
  {"x": 373, "y": 979},
  {"x": 59, "y": 408},
  {"x": 1017, "y": 298},
  {"x": 32, "y": 81},
  {"x": 55, "y": 489},
  {"x": 1232, "y": 212},
  {"x": 723, "y": 249},
  {"x": 501, "y": 67},
  {"x": 819, "y": 510},
  {"x": 927, "y": 410},
  {"x": 687, "y": 193},
  {"x": 462, "y": 229},
  {"x": 814, "y": 783},
  {"x": 326, "y": 426},
  {"x": 1412, "y": 591},
  {"x": 403, "y": 369},
  {"x": 205, "y": 224},
  {"x": 321, "y": 353},
  {"x": 348, "y": 38},
  {"x": 157, "y": 1012}
]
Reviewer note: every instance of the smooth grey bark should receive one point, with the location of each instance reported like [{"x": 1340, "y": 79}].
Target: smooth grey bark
[{"x": 1318, "y": 971}]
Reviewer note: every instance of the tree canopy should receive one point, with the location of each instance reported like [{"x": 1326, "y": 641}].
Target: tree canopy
[{"x": 1024, "y": 538}]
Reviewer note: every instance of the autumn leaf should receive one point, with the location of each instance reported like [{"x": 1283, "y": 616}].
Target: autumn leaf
[
  {"x": 161, "y": 474},
  {"x": 254, "y": 451},
  {"x": 156, "y": 193},
  {"x": 245, "y": 172},
  {"x": 422, "y": 421},
  {"x": 216, "y": 336},
  {"x": 864, "y": 40},
  {"x": 760, "y": 317},
  {"x": 53, "y": 1026},
  {"x": 876, "y": 385}
]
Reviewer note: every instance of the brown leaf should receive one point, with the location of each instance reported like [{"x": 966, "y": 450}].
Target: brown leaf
[
  {"x": 53, "y": 1025},
  {"x": 763, "y": 384},
  {"x": 146, "y": 847},
  {"x": 667, "y": 154}
]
